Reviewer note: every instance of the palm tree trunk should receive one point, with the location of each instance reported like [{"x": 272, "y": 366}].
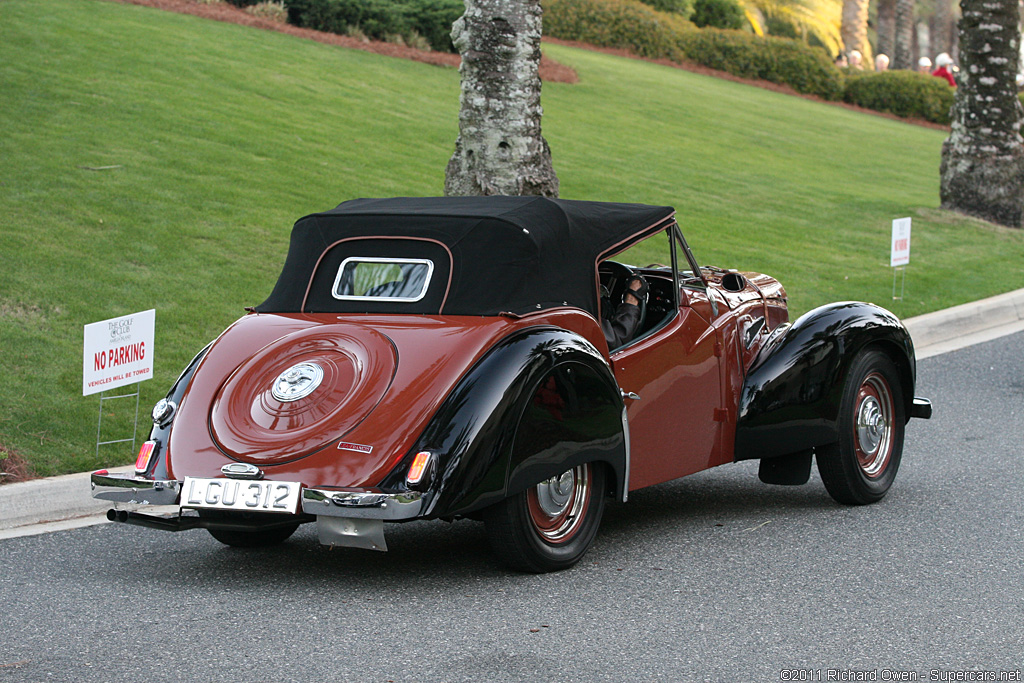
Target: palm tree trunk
[
  {"x": 886, "y": 28},
  {"x": 982, "y": 172},
  {"x": 942, "y": 37},
  {"x": 903, "y": 49},
  {"x": 854, "y": 29},
  {"x": 500, "y": 149}
]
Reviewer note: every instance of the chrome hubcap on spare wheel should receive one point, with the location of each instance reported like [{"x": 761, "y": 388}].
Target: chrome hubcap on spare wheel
[{"x": 298, "y": 381}]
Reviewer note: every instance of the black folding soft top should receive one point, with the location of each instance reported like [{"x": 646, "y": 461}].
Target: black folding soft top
[{"x": 490, "y": 254}]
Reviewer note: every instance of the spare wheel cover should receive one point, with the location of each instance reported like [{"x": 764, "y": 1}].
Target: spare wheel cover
[{"x": 327, "y": 380}]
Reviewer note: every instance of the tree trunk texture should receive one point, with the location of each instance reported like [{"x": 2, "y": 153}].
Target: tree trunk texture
[
  {"x": 500, "y": 149},
  {"x": 854, "y": 30},
  {"x": 942, "y": 36},
  {"x": 886, "y": 29},
  {"x": 903, "y": 48},
  {"x": 982, "y": 172}
]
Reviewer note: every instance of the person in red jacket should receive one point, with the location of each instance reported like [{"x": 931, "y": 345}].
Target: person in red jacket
[{"x": 944, "y": 68}]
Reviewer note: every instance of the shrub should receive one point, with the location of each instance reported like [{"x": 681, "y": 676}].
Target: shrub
[
  {"x": 717, "y": 14},
  {"x": 684, "y": 8},
  {"x": 780, "y": 26},
  {"x": 413, "y": 20},
  {"x": 268, "y": 9},
  {"x": 806, "y": 69},
  {"x": 903, "y": 93},
  {"x": 624, "y": 24},
  {"x": 630, "y": 25},
  {"x": 239, "y": 3}
]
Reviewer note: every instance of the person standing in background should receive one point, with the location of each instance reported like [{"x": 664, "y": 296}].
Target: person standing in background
[{"x": 944, "y": 68}]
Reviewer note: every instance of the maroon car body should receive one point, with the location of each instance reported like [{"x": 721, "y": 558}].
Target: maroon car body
[{"x": 444, "y": 358}]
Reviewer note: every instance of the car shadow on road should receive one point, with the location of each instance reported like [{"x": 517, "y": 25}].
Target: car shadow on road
[{"x": 682, "y": 511}]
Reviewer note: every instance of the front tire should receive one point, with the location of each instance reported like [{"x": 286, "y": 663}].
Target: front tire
[
  {"x": 549, "y": 526},
  {"x": 860, "y": 467}
]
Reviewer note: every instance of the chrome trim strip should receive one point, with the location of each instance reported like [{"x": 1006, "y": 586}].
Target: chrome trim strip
[
  {"x": 362, "y": 503},
  {"x": 625, "y": 434},
  {"x": 123, "y": 488}
]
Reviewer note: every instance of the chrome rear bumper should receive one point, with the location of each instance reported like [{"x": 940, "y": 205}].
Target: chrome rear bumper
[
  {"x": 123, "y": 488},
  {"x": 336, "y": 502}
]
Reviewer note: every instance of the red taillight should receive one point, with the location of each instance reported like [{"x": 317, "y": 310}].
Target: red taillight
[
  {"x": 418, "y": 468},
  {"x": 145, "y": 453}
]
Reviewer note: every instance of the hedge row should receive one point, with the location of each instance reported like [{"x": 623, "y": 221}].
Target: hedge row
[
  {"x": 380, "y": 19},
  {"x": 904, "y": 93},
  {"x": 806, "y": 69},
  {"x": 623, "y": 24},
  {"x": 631, "y": 25}
]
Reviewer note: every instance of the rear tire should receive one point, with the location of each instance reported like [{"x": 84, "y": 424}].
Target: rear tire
[
  {"x": 860, "y": 467},
  {"x": 550, "y": 526},
  {"x": 246, "y": 538},
  {"x": 253, "y": 539}
]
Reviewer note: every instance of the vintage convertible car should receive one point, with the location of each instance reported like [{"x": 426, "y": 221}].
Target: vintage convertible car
[{"x": 425, "y": 358}]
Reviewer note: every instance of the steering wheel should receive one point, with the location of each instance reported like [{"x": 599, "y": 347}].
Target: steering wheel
[{"x": 618, "y": 276}]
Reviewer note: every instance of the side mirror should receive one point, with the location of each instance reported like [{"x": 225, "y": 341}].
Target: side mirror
[{"x": 734, "y": 282}]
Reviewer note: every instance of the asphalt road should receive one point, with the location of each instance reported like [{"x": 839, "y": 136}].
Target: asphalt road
[{"x": 714, "y": 577}]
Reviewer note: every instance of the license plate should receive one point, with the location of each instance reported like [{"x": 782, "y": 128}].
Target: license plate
[{"x": 240, "y": 494}]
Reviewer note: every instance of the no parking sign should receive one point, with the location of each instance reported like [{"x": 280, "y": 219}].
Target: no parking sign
[
  {"x": 900, "y": 242},
  {"x": 118, "y": 351}
]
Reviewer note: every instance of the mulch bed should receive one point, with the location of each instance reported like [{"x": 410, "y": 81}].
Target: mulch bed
[{"x": 13, "y": 467}]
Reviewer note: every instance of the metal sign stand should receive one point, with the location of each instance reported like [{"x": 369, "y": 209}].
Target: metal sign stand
[
  {"x": 903, "y": 281},
  {"x": 135, "y": 424}
]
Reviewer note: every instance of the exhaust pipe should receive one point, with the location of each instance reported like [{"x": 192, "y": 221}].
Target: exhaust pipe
[
  {"x": 184, "y": 523},
  {"x": 154, "y": 522}
]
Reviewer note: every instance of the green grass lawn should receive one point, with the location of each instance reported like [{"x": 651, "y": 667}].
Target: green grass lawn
[{"x": 220, "y": 136}]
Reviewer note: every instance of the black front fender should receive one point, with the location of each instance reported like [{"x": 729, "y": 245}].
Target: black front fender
[
  {"x": 542, "y": 401},
  {"x": 791, "y": 395}
]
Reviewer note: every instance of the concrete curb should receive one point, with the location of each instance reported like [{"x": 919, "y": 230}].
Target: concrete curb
[
  {"x": 68, "y": 497},
  {"x": 51, "y": 499},
  {"x": 967, "y": 324}
]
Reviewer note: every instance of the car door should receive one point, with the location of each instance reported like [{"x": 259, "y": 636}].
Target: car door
[{"x": 672, "y": 385}]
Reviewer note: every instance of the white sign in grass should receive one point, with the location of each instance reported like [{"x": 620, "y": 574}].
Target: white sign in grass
[
  {"x": 900, "y": 242},
  {"x": 118, "y": 352}
]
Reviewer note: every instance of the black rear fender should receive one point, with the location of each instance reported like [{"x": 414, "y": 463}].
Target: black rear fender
[
  {"x": 542, "y": 401},
  {"x": 162, "y": 433}
]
